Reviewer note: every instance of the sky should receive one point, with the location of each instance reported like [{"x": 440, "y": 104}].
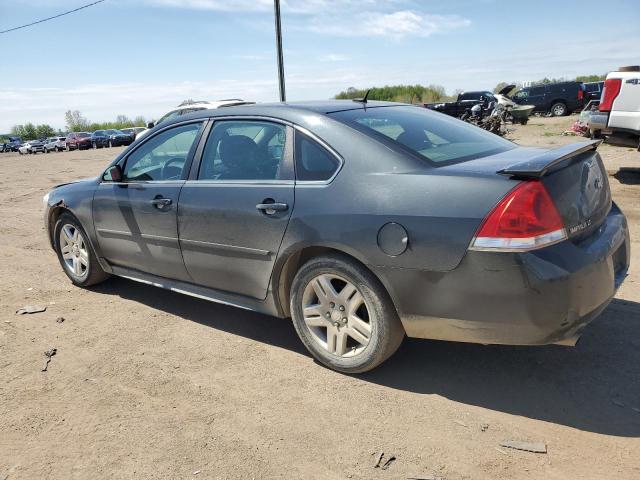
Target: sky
[{"x": 143, "y": 57}]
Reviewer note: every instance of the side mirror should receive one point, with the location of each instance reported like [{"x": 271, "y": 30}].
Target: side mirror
[
  {"x": 113, "y": 174},
  {"x": 150, "y": 125}
]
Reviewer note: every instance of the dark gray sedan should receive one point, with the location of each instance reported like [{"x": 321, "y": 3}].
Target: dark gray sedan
[{"x": 361, "y": 222}]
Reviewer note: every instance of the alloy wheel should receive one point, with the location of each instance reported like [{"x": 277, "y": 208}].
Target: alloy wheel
[
  {"x": 336, "y": 315},
  {"x": 73, "y": 249}
]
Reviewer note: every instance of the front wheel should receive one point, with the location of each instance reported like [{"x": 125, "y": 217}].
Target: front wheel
[
  {"x": 75, "y": 254},
  {"x": 343, "y": 315}
]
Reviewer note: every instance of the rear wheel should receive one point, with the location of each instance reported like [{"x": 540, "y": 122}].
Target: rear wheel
[
  {"x": 559, "y": 109},
  {"x": 75, "y": 254},
  {"x": 343, "y": 315}
]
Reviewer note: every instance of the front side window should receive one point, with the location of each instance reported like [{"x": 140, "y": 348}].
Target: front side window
[
  {"x": 437, "y": 138},
  {"x": 243, "y": 150},
  {"x": 313, "y": 162},
  {"x": 162, "y": 157}
]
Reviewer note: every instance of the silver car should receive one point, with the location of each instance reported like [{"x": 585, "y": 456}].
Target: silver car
[{"x": 54, "y": 144}]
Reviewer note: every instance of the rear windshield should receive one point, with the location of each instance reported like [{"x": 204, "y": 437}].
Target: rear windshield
[{"x": 435, "y": 137}]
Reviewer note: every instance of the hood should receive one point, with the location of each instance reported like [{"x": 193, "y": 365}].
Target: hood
[
  {"x": 81, "y": 180},
  {"x": 505, "y": 91}
]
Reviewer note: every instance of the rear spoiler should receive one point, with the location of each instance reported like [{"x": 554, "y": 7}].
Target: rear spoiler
[{"x": 538, "y": 166}]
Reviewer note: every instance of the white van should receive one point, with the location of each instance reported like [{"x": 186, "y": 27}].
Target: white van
[{"x": 619, "y": 109}]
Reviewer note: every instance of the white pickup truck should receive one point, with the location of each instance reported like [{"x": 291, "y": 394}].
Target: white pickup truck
[{"x": 619, "y": 109}]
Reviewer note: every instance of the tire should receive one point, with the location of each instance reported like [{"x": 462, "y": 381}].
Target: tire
[
  {"x": 384, "y": 333},
  {"x": 524, "y": 121},
  {"x": 90, "y": 273},
  {"x": 94, "y": 146},
  {"x": 559, "y": 109}
]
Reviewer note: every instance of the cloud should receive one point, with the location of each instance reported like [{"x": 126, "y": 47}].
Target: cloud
[
  {"x": 334, "y": 57},
  {"x": 101, "y": 102},
  {"x": 218, "y": 5},
  {"x": 345, "y": 18},
  {"x": 397, "y": 24}
]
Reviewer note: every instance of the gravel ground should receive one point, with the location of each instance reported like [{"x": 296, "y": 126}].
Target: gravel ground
[{"x": 150, "y": 384}]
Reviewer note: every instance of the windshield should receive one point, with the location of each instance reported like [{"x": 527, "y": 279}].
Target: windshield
[
  {"x": 84, "y": 134},
  {"x": 114, "y": 132},
  {"x": 435, "y": 137}
]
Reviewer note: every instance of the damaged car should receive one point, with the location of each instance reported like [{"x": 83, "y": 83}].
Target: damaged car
[{"x": 364, "y": 222}]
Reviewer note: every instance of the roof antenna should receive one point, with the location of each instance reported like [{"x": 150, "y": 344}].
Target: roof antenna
[{"x": 363, "y": 99}]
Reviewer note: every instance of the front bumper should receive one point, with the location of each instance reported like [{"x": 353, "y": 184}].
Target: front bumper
[{"x": 534, "y": 298}]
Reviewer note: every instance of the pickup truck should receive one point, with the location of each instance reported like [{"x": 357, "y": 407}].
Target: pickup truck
[
  {"x": 464, "y": 102},
  {"x": 619, "y": 109}
]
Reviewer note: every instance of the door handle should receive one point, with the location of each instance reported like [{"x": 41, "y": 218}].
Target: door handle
[
  {"x": 161, "y": 202},
  {"x": 272, "y": 207}
]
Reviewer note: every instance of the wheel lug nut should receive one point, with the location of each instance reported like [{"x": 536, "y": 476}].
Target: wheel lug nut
[
  {"x": 332, "y": 305},
  {"x": 336, "y": 324},
  {"x": 327, "y": 315},
  {"x": 344, "y": 320},
  {"x": 342, "y": 308}
]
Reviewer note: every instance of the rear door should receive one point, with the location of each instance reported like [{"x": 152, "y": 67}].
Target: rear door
[
  {"x": 235, "y": 207},
  {"x": 136, "y": 219}
]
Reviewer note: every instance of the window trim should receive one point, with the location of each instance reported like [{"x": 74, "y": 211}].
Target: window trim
[
  {"x": 188, "y": 161},
  {"x": 326, "y": 147},
  {"x": 287, "y": 158}
]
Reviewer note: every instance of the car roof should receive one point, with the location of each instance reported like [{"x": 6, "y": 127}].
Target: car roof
[{"x": 290, "y": 111}]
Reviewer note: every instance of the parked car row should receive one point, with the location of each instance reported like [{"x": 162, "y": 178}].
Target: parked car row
[{"x": 557, "y": 99}]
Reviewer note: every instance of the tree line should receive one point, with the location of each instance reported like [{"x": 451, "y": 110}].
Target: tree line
[
  {"x": 399, "y": 93},
  {"x": 75, "y": 122}
]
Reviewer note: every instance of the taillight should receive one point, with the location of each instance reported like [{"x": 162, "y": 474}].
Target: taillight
[
  {"x": 525, "y": 219},
  {"x": 609, "y": 93},
  {"x": 580, "y": 94}
]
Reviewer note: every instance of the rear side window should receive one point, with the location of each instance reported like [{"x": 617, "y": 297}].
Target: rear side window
[
  {"x": 434, "y": 137},
  {"x": 313, "y": 162},
  {"x": 243, "y": 150}
]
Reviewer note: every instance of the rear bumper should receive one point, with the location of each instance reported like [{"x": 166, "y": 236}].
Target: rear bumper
[
  {"x": 598, "y": 122},
  {"x": 534, "y": 298}
]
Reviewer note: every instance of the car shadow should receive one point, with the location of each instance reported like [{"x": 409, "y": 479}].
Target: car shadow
[
  {"x": 594, "y": 386},
  {"x": 628, "y": 175},
  {"x": 255, "y": 326}
]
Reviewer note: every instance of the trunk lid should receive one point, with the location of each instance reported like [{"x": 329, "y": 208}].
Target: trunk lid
[
  {"x": 574, "y": 176},
  {"x": 576, "y": 179}
]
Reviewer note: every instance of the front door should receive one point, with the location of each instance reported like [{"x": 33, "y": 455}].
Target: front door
[
  {"x": 234, "y": 209},
  {"x": 136, "y": 219}
]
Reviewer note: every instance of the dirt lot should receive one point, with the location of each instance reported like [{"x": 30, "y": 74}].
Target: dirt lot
[{"x": 151, "y": 384}]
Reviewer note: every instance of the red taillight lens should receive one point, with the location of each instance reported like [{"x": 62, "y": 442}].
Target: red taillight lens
[
  {"x": 580, "y": 94},
  {"x": 609, "y": 94},
  {"x": 525, "y": 219}
]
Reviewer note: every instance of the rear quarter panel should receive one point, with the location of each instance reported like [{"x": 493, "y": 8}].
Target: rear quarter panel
[{"x": 440, "y": 208}]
